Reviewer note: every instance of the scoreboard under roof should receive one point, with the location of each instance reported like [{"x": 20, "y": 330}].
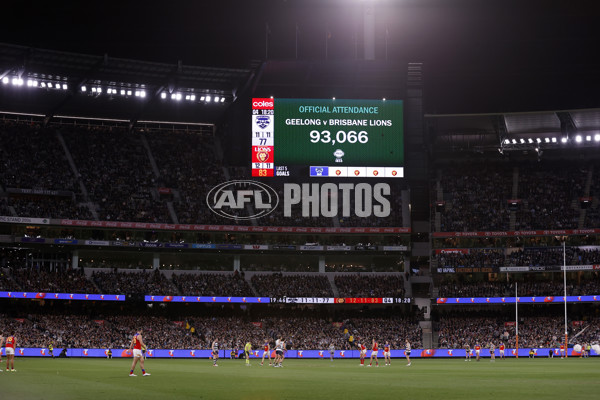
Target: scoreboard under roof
[{"x": 327, "y": 138}]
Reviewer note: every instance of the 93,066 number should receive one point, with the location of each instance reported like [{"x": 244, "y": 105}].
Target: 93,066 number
[{"x": 340, "y": 137}]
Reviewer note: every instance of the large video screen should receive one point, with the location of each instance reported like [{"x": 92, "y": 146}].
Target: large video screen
[{"x": 327, "y": 138}]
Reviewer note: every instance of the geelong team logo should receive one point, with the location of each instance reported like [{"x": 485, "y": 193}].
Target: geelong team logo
[
  {"x": 263, "y": 121},
  {"x": 242, "y": 200}
]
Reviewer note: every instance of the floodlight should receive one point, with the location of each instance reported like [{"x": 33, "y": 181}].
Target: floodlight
[
  {"x": 530, "y": 140},
  {"x": 553, "y": 140},
  {"x": 94, "y": 90},
  {"x": 163, "y": 95},
  {"x": 14, "y": 81},
  {"x": 514, "y": 141},
  {"x": 222, "y": 99},
  {"x": 142, "y": 93},
  {"x": 522, "y": 141},
  {"x": 49, "y": 84},
  {"x": 564, "y": 140},
  {"x": 506, "y": 141},
  {"x": 578, "y": 138},
  {"x": 588, "y": 138},
  {"x": 216, "y": 99},
  {"x": 187, "y": 96},
  {"x": 547, "y": 140},
  {"x": 65, "y": 87},
  {"x": 34, "y": 83},
  {"x": 29, "y": 83},
  {"x": 43, "y": 84},
  {"x": 538, "y": 140},
  {"x": 122, "y": 92},
  {"x": 192, "y": 97},
  {"x": 83, "y": 89},
  {"x": 99, "y": 90},
  {"x": 129, "y": 93},
  {"x": 208, "y": 98},
  {"x": 5, "y": 80},
  {"x": 597, "y": 137},
  {"x": 201, "y": 98}
]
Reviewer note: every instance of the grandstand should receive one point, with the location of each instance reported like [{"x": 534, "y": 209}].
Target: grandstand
[{"x": 109, "y": 203}]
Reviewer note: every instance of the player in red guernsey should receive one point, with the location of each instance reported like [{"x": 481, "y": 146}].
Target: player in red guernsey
[
  {"x": 562, "y": 350},
  {"x": 477, "y": 351},
  {"x": 363, "y": 352},
  {"x": 501, "y": 351},
  {"x": 386, "y": 354},
  {"x": 10, "y": 343},
  {"x": 136, "y": 346},
  {"x": 374, "y": 351},
  {"x": 266, "y": 352}
]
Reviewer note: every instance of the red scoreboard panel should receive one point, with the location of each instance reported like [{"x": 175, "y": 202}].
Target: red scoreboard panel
[{"x": 263, "y": 121}]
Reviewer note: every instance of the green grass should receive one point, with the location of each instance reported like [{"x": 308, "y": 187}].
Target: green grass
[{"x": 64, "y": 379}]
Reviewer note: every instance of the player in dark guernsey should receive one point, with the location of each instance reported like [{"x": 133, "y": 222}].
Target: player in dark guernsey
[{"x": 266, "y": 352}]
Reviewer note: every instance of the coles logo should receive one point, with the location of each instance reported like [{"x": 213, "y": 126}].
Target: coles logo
[
  {"x": 230, "y": 199},
  {"x": 262, "y": 104}
]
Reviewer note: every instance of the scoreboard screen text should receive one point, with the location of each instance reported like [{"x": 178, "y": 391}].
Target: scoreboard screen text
[{"x": 327, "y": 138}]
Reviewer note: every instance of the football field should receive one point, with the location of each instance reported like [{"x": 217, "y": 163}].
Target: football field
[{"x": 541, "y": 378}]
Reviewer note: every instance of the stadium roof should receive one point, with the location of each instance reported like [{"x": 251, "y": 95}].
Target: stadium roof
[
  {"x": 514, "y": 131},
  {"x": 130, "y": 77}
]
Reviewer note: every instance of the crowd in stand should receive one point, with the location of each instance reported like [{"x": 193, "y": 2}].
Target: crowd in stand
[
  {"x": 474, "y": 258},
  {"x": 229, "y": 284},
  {"x": 139, "y": 282},
  {"x": 525, "y": 289},
  {"x": 535, "y": 332},
  {"x": 300, "y": 333},
  {"x": 33, "y": 158},
  {"x": 59, "y": 281},
  {"x": 116, "y": 170},
  {"x": 547, "y": 196},
  {"x": 369, "y": 285},
  {"x": 476, "y": 198},
  {"x": 551, "y": 193},
  {"x": 279, "y": 285}
]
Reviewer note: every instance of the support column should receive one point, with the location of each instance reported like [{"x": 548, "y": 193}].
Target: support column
[
  {"x": 156, "y": 261},
  {"x": 236, "y": 262},
  {"x": 322, "y": 264},
  {"x": 75, "y": 259}
]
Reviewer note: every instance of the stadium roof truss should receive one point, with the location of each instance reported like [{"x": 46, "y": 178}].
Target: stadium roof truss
[
  {"x": 71, "y": 78},
  {"x": 535, "y": 131}
]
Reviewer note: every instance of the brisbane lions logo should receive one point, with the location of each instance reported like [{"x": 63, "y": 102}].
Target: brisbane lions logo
[{"x": 262, "y": 156}]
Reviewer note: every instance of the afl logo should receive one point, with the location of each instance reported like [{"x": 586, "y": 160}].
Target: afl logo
[
  {"x": 263, "y": 121},
  {"x": 242, "y": 199}
]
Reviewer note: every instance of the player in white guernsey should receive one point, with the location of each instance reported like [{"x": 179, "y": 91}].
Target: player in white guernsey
[
  {"x": 279, "y": 346},
  {"x": 215, "y": 352},
  {"x": 407, "y": 352}
]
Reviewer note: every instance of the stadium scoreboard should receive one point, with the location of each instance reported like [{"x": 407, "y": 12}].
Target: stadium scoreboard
[{"x": 327, "y": 138}]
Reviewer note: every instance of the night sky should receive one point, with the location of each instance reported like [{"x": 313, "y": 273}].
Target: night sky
[{"x": 479, "y": 55}]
